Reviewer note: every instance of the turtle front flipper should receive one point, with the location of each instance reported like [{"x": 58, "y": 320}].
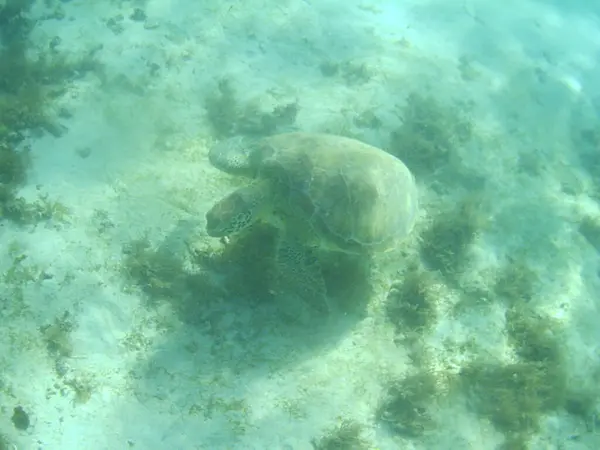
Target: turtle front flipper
[
  {"x": 238, "y": 210},
  {"x": 299, "y": 273}
]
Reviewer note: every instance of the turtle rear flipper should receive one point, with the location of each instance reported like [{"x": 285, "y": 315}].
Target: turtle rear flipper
[{"x": 299, "y": 273}]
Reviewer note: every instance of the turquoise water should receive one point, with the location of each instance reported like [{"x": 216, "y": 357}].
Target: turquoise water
[{"x": 123, "y": 324}]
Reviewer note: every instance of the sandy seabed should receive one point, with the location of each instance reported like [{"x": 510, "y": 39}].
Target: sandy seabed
[{"x": 112, "y": 337}]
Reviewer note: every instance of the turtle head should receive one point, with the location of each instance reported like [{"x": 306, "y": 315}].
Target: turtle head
[
  {"x": 239, "y": 155},
  {"x": 237, "y": 211}
]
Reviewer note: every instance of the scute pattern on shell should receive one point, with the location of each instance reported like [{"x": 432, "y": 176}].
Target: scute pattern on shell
[{"x": 356, "y": 197}]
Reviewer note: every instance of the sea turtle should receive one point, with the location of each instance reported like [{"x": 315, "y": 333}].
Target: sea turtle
[{"x": 321, "y": 191}]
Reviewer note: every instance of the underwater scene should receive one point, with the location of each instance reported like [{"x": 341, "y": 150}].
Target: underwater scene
[{"x": 299, "y": 225}]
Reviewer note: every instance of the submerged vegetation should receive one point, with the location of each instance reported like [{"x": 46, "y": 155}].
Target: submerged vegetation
[
  {"x": 406, "y": 405},
  {"x": 29, "y": 81},
  {"x": 29, "y": 84},
  {"x": 429, "y": 134},
  {"x": 447, "y": 241},
  {"x": 351, "y": 72},
  {"x": 513, "y": 394},
  {"x": 228, "y": 116},
  {"x": 185, "y": 278},
  {"x": 585, "y": 137},
  {"x": 589, "y": 228},
  {"x": 241, "y": 268},
  {"x": 516, "y": 395},
  {"x": 347, "y": 435},
  {"x": 13, "y": 168},
  {"x": 516, "y": 282},
  {"x": 13, "y": 173},
  {"x": 411, "y": 302}
]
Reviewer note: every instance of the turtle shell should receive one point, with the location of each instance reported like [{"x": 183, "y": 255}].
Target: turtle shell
[{"x": 354, "y": 197}]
